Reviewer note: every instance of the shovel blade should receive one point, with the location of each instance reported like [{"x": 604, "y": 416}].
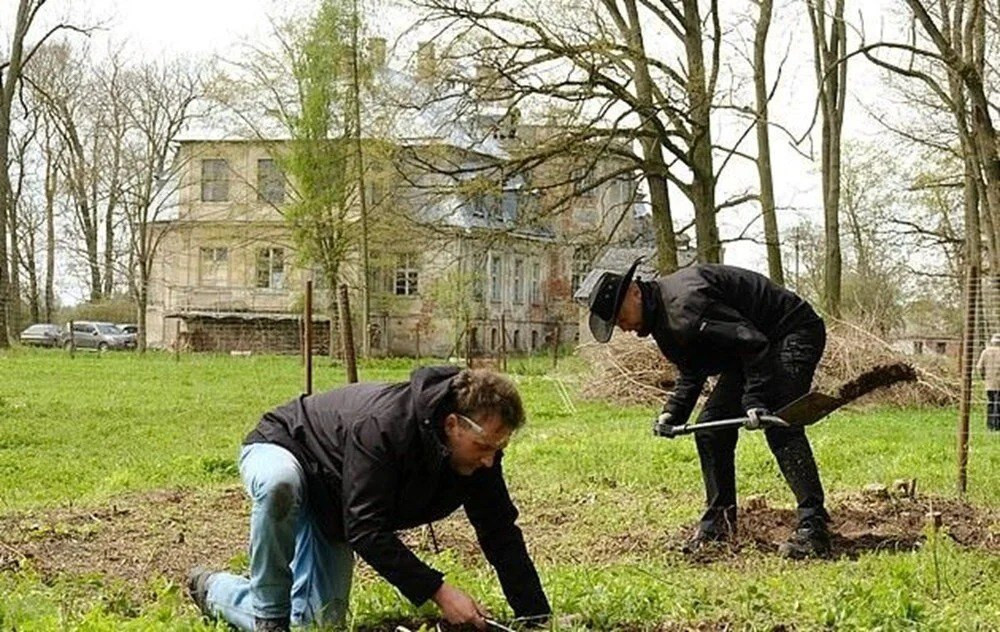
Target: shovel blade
[{"x": 809, "y": 408}]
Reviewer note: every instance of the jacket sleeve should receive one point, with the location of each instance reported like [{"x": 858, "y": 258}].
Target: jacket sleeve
[
  {"x": 685, "y": 394},
  {"x": 726, "y": 329},
  {"x": 493, "y": 516},
  {"x": 370, "y": 476}
]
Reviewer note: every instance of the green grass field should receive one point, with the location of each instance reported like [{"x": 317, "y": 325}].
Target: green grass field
[{"x": 603, "y": 504}]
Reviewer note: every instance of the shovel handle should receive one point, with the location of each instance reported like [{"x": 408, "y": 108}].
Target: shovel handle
[{"x": 769, "y": 421}]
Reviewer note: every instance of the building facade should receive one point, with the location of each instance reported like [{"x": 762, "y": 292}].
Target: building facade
[{"x": 452, "y": 267}]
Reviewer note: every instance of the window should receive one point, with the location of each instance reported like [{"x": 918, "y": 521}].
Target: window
[
  {"x": 213, "y": 267},
  {"x": 270, "y": 182},
  {"x": 493, "y": 338},
  {"x": 214, "y": 180},
  {"x": 535, "y": 285},
  {"x": 407, "y": 276},
  {"x": 271, "y": 268},
  {"x": 518, "y": 281},
  {"x": 581, "y": 266},
  {"x": 534, "y": 339},
  {"x": 496, "y": 278},
  {"x": 487, "y": 206},
  {"x": 375, "y": 187},
  {"x": 517, "y": 340},
  {"x": 584, "y": 181}
]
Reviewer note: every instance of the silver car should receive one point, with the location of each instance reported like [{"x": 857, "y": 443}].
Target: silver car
[
  {"x": 99, "y": 336},
  {"x": 41, "y": 335}
]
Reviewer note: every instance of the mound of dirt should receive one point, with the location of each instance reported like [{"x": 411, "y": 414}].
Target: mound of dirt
[{"x": 862, "y": 524}]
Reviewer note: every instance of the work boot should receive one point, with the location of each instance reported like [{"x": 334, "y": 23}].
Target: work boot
[
  {"x": 197, "y": 586},
  {"x": 270, "y": 625},
  {"x": 810, "y": 539}
]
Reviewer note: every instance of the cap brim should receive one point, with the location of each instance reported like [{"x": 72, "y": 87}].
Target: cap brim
[{"x": 600, "y": 328}]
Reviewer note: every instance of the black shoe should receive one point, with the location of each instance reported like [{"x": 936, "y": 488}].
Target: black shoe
[
  {"x": 809, "y": 540},
  {"x": 197, "y": 586},
  {"x": 270, "y": 625}
]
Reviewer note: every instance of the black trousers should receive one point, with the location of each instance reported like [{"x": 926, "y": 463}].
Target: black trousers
[
  {"x": 797, "y": 357},
  {"x": 993, "y": 410}
]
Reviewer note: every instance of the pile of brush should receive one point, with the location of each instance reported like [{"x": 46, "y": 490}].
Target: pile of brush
[{"x": 631, "y": 370}]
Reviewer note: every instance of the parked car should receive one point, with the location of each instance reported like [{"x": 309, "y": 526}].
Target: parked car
[
  {"x": 129, "y": 328},
  {"x": 42, "y": 335},
  {"x": 89, "y": 334}
]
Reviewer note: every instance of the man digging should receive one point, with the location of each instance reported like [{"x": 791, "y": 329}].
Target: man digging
[
  {"x": 762, "y": 341},
  {"x": 340, "y": 472}
]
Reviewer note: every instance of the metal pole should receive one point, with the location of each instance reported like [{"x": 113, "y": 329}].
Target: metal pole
[
  {"x": 468, "y": 344},
  {"x": 72, "y": 341},
  {"x": 968, "y": 331},
  {"x": 556, "y": 334},
  {"x": 347, "y": 336},
  {"x": 307, "y": 336}
]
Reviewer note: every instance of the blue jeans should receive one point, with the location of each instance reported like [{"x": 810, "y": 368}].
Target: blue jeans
[{"x": 295, "y": 572}]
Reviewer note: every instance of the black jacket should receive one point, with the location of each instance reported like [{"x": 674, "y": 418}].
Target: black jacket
[
  {"x": 375, "y": 463},
  {"x": 710, "y": 318}
]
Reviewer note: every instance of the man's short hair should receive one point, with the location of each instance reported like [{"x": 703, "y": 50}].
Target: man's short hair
[{"x": 478, "y": 391}]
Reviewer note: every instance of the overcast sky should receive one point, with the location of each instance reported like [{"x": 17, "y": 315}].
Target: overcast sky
[{"x": 204, "y": 28}]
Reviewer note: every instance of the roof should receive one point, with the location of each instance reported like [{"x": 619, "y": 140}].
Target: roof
[{"x": 402, "y": 109}]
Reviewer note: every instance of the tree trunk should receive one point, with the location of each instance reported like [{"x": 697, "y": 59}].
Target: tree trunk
[
  {"x": 656, "y": 171},
  {"x": 831, "y": 81},
  {"x": 51, "y": 177},
  {"x": 109, "y": 246},
  {"x": 10, "y": 81},
  {"x": 356, "y": 112},
  {"x": 141, "y": 302},
  {"x": 700, "y": 150},
  {"x": 32, "y": 269},
  {"x": 767, "y": 207},
  {"x": 14, "y": 309}
]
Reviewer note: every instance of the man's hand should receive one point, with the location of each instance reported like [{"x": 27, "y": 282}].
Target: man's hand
[
  {"x": 663, "y": 424},
  {"x": 754, "y": 418},
  {"x": 458, "y": 608}
]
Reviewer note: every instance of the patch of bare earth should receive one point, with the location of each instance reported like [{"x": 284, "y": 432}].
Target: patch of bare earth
[
  {"x": 133, "y": 537},
  {"x": 140, "y": 536},
  {"x": 863, "y": 524}
]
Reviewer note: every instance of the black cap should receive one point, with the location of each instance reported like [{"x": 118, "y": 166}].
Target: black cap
[{"x": 606, "y": 299}]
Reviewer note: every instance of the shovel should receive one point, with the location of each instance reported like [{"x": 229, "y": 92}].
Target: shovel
[{"x": 812, "y": 406}]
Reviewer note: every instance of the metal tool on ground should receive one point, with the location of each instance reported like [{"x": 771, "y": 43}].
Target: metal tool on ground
[
  {"x": 809, "y": 408},
  {"x": 496, "y": 625}
]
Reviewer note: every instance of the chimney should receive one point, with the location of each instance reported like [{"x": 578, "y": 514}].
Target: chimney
[
  {"x": 425, "y": 60},
  {"x": 376, "y": 52}
]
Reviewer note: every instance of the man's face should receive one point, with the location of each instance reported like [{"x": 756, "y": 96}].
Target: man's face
[
  {"x": 630, "y": 314},
  {"x": 474, "y": 441}
]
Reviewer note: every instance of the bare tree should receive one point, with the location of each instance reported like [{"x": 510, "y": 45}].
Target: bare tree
[
  {"x": 158, "y": 100},
  {"x": 946, "y": 54},
  {"x": 829, "y": 49},
  {"x": 762, "y": 95},
  {"x": 18, "y": 57},
  {"x": 596, "y": 62}
]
